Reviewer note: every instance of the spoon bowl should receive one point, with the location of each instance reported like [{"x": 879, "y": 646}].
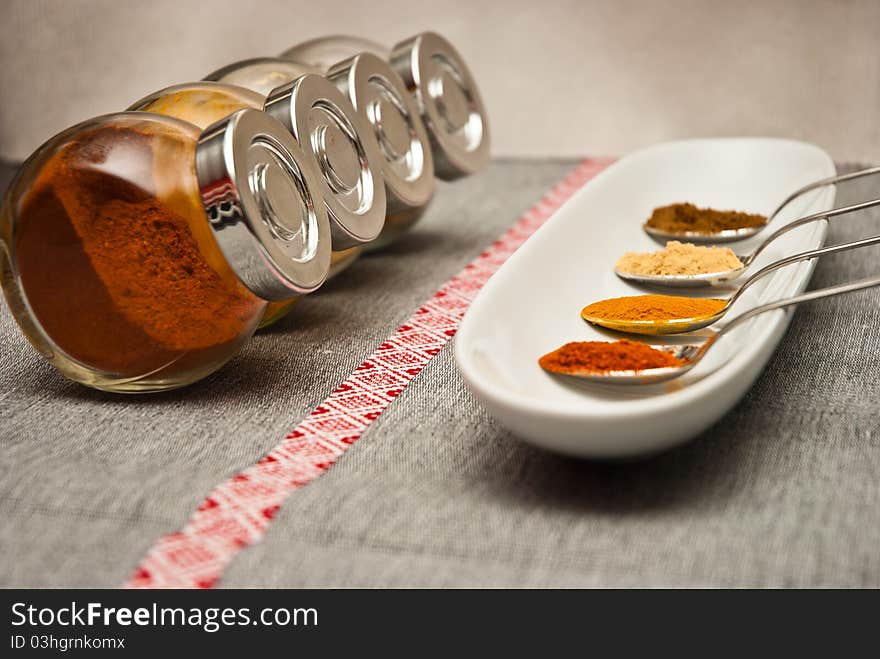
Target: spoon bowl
[
  {"x": 683, "y": 281},
  {"x": 654, "y": 327},
  {"x": 724, "y": 236},
  {"x": 730, "y": 235}
]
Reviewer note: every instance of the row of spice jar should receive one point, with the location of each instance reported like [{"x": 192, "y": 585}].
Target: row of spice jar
[{"x": 141, "y": 249}]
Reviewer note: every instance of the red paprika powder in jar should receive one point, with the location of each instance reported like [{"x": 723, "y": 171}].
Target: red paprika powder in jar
[
  {"x": 332, "y": 135},
  {"x": 139, "y": 254}
]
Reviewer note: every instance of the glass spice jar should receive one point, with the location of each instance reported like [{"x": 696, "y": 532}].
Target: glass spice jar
[
  {"x": 386, "y": 106},
  {"x": 332, "y": 136},
  {"x": 261, "y": 74},
  {"x": 138, "y": 253},
  {"x": 444, "y": 89}
]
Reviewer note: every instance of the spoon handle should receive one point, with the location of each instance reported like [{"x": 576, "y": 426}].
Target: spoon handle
[
  {"x": 803, "y": 256},
  {"x": 821, "y": 183},
  {"x": 830, "y": 291},
  {"x": 794, "y": 224}
]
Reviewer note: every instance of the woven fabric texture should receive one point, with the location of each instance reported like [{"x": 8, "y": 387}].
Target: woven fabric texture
[{"x": 784, "y": 491}]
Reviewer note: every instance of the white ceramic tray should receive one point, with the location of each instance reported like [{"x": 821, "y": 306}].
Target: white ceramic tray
[{"x": 531, "y": 305}]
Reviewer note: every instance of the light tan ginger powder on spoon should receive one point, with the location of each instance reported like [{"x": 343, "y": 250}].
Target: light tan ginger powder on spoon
[{"x": 680, "y": 259}]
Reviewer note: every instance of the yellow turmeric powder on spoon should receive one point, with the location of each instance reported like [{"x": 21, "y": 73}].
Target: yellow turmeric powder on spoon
[{"x": 652, "y": 308}]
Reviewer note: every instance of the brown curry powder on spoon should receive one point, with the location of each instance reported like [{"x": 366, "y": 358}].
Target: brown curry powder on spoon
[{"x": 680, "y": 218}]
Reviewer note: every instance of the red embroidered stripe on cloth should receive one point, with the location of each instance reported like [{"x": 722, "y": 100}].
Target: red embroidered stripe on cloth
[{"x": 238, "y": 511}]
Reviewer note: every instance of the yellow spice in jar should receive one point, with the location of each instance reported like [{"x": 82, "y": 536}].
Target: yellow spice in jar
[{"x": 680, "y": 259}]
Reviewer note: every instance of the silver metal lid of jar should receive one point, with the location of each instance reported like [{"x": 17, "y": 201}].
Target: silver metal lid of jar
[
  {"x": 263, "y": 201},
  {"x": 449, "y": 100},
  {"x": 383, "y": 102},
  {"x": 261, "y": 74},
  {"x": 343, "y": 149},
  {"x": 445, "y": 90}
]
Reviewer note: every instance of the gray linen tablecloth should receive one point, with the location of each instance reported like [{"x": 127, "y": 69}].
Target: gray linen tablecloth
[{"x": 784, "y": 491}]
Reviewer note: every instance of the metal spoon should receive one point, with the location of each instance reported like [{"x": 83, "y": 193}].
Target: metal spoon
[
  {"x": 729, "y": 235},
  {"x": 679, "y": 325},
  {"x": 691, "y": 354},
  {"x": 716, "y": 278}
]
